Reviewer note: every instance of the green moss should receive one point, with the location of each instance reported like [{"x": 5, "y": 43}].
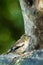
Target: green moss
[{"x": 11, "y": 23}]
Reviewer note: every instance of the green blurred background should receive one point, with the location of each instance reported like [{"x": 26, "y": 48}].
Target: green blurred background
[{"x": 11, "y": 23}]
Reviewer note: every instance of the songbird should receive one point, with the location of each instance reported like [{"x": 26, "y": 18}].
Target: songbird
[{"x": 21, "y": 45}]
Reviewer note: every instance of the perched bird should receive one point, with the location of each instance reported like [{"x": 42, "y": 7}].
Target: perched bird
[{"x": 21, "y": 45}]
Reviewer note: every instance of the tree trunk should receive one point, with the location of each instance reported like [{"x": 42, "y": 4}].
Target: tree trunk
[{"x": 33, "y": 22}]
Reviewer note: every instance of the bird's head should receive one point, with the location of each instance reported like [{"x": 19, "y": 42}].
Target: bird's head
[{"x": 25, "y": 37}]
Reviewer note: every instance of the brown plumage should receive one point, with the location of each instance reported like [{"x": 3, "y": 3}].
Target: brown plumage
[{"x": 21, "y": 45}]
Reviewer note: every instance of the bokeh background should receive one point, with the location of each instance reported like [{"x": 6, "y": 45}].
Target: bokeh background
[{"x": 11, "y": 23}]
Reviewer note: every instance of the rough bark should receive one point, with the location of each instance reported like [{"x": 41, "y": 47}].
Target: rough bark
[{"x": 33, "y": 22}]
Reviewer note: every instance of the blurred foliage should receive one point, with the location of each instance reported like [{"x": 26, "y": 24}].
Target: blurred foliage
[{"x": 11, "y": 23}]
